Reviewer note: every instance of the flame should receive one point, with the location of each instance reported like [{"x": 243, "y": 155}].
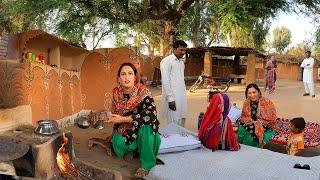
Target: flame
[{"x": 63, "y": 160}]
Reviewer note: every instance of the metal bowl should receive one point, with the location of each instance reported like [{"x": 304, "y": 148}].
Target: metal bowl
[
  {"x": 83, "y": 123},
  {"x": 47, "y": 127}
]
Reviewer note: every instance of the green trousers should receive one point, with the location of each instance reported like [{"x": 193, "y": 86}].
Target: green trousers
[
  {"x": 244, "y": 137},
  {"x": 146, "y": 144}
]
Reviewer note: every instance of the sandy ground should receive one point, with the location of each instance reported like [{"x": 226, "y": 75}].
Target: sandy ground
[{"x": 288, "y": 100}]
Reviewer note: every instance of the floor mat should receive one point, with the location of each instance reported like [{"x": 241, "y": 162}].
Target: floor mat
[{"x": 311, "y": 133}]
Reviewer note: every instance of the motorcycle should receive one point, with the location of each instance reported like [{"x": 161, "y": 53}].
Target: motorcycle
[{"x": 213, "y": 83}]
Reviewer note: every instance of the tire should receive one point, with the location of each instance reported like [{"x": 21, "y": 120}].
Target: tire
[{"x": 194, "y": 87}]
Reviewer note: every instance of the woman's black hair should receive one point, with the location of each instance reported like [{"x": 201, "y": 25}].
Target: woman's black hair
[
  {"x": 130, "y": 65},
  {"x": 298, "y": 123},
  {"x": 252, "y": 85}
]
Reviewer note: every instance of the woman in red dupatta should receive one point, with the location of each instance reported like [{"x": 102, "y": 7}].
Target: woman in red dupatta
[
  {"x": 257, "y": 120},
  {"x": 216, "y": 130}
]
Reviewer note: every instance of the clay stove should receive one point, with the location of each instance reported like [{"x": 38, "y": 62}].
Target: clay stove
[{"x": 40, "y": 159}]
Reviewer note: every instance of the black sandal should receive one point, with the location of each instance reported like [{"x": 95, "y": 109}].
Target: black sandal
[{"x": 298, "y": 166}]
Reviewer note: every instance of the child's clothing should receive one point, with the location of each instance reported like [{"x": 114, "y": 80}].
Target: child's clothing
[{"x": 295, "y": 143}]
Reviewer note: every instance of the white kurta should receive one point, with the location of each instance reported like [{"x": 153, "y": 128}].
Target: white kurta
[
  {"x": 307, "y": 64},
  {"x": 173, "y": 88}
]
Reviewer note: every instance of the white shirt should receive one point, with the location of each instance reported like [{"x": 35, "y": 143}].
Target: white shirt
[
  {"x": 173, "y": 88},
  {"x": 307, "y": 64}
]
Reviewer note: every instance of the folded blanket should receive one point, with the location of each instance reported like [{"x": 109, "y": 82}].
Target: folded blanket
[{"x": 311, "y": 133}]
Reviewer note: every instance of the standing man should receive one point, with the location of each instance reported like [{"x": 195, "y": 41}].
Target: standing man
[
  {"x": 307, "y": 65},
  {"x": 174, "y": 100}
]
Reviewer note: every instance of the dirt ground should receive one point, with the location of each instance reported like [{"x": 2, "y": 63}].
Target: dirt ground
[{"x": 288, "y": 100}]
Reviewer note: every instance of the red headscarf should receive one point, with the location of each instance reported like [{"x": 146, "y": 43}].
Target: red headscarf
[{"x": 216, "y": 121}]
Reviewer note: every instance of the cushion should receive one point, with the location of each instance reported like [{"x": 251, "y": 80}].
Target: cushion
[
  {"x": 175, "y": 138},
  {"x": 178, "y": 142},
  {"x": 234, "y": 113}
]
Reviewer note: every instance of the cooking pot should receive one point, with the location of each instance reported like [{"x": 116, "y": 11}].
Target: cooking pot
[
  {"x": 47, "y": 127},
  {"x": 83, "y": 123}
]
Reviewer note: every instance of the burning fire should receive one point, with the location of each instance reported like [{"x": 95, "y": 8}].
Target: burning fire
[{"x": 63, "y": 160}]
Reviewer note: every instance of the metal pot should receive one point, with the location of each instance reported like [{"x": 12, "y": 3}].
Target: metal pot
[
  {"x": 47, "y": 127},
  {"x": 83, "y": 123}
]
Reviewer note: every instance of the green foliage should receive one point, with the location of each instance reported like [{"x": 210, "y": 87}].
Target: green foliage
[
  {"x": 317, "y": 42},
  {"x": 281, "y": 39},
  {"x": 242, "y": 22},
  {"x": 299, "y": 49}
]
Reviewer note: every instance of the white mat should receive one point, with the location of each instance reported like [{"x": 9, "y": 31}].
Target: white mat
[{"x": 248, "y": 163}]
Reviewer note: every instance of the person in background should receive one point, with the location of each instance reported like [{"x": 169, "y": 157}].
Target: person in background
[
  {"x": 258, "y": 118},
  {"x": 296, "y": 141},
  {"x": 307, "y": 65},
  {"x": 270, "y": 75},
  {"x": 174, "y": 100}
]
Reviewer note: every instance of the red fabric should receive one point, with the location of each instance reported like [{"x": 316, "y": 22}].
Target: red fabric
[{"x": 211, "y": 129}]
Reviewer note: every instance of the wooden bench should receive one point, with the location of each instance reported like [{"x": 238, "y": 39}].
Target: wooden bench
[{"x": 237, "y": 78}]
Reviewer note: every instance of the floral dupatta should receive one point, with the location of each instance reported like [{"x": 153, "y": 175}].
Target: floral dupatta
[
  {"x": 140, "y": 106},
  {"x": 266, "y": 116}
]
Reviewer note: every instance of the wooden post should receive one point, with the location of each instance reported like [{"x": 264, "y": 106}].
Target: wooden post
[
  {"x": 207, "y": 63},
  {"x": 251, "y": 70}
]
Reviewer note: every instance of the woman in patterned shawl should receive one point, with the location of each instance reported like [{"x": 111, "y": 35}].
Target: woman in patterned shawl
[
  {"x": 257, "y": 120},
  {"x": 135, "y": 120}
]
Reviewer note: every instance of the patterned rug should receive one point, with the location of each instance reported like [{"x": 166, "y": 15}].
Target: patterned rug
[{"x": 311, "y": 133}]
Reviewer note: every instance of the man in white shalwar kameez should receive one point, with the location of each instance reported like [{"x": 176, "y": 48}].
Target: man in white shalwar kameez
[
  {"x": 307, "y": 65},
  {"x": 174, "y": 99}
]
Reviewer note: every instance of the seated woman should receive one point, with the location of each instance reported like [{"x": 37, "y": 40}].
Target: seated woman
[
  {"x": 257, "y": 120},
  {"x": 216, "y": 130},
  {"x": 135, "y": 120}
]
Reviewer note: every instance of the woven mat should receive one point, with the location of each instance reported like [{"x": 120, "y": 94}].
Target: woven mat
[{"x": 311, "y": 133}]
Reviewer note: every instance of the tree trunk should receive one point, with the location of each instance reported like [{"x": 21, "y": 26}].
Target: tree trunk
[
  {"x": 229, "y": 39},
  {"x": 196, "y": 32},
  {"x": 150, "y": 50},
  {"x": 169, "y": 37}
]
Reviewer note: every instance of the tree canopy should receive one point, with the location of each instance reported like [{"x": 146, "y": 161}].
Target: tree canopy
[
  {"x": 281, "y": 39},
  {"x": 151, "y": 23}
]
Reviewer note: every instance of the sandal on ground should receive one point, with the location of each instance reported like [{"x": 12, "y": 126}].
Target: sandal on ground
[
  {"x": 159, "y": 162},
  {"x": 102, "y": 143},
  {"x": 141, "y": 172}
]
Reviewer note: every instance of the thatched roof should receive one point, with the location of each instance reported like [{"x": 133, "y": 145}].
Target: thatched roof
[{"x": 224, "y": 51}]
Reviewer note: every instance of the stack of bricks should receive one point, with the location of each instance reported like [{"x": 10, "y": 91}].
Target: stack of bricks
[{"x": 3, "y": 47}]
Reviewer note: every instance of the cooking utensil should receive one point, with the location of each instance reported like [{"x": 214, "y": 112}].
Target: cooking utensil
[
  {"x": 83, "y": 122},
  {"x": 47, "y": 127},
  {"x": 99, "y": 124}
]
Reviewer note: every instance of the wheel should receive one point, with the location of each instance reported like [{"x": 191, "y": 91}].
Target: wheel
[
  {"x": 223, "y": 87},
  {"x": 194, "y": 87}
]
